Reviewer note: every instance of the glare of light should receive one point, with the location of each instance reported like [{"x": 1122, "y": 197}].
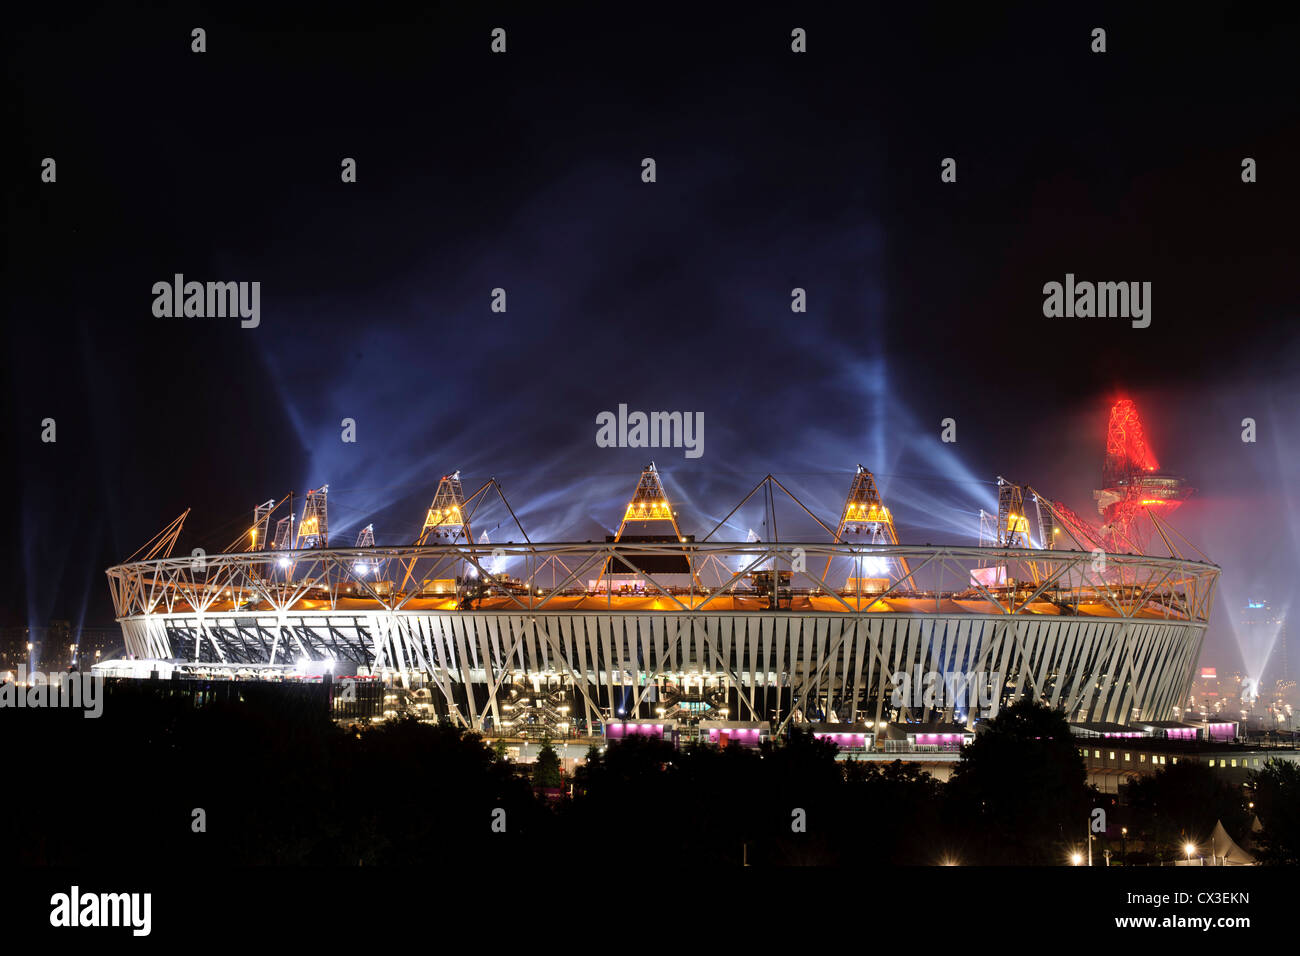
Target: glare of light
[
  {"x": 1076, "y": 858},
  {"x": 283, "y": 562},
  {"x": 874, "y": 567}
]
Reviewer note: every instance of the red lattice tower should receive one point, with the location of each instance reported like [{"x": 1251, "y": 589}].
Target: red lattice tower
[{"x": 1132, "y": 484}]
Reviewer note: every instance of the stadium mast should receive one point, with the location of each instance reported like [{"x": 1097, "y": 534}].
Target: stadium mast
[
  {"x": 313, "y": 530},
  {"x": 865, "y": 512},
  {"x": 650, "y": 503},
  {"x": 447, "y": 513}
]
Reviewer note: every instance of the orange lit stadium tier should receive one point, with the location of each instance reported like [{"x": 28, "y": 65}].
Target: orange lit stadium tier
[
  {"x": 797, "y": 602},
  {"x": 758, "y": 625}
]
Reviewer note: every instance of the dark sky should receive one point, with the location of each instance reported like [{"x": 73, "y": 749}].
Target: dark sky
[{"x": 522, "y": 171}]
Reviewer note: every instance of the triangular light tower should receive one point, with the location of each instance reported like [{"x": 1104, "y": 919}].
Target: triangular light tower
[
  {"x": 313, "y": 530},
  {"x": 866, "y": 520},
  {"x": 446, "y": 516}
]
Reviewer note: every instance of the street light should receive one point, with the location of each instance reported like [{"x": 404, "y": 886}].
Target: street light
[
  {"x": 1076, "y": 858},
  {"x": 1190, "y": 848}
]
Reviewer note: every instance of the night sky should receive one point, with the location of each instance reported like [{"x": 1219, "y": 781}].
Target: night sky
[{"x": 522, "y": 171}]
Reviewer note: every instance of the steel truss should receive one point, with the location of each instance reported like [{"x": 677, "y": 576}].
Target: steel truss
[{"x": 1113, "y": 640}]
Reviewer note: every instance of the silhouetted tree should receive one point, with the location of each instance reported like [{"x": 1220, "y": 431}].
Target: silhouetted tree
[
  {"x": 546, "y": 771},
  {"x": 1275, "y": 790},
  {"x": 1020, "y": 793},
  {"x": 1180, "y": 803}
]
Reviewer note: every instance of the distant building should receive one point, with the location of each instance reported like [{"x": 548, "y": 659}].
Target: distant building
[
  {"x": 57, "y": 646},
  {"x": 1262, "y": 625}
]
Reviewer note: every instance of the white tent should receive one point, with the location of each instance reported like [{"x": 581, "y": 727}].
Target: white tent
[{"x": 1226, "y": 851}]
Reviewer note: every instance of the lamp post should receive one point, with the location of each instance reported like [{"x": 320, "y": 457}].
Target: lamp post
[
  {"x": 1190, "y": 848},
  {"x": 1123, "y": 854}
]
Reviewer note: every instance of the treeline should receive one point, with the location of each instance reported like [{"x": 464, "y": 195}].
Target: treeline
[{"x": 156, "y": 781}]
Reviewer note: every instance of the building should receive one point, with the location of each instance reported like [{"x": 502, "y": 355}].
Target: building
[
  {"x": 656, "y": 628},
  {"x": 734, "y": 733},
  {"x": 1111, "y": 763},
  {"x": 58, "y": 645}
]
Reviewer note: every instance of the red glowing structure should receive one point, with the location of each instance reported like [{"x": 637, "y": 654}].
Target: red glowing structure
[{"x": 1132, "y": 482}]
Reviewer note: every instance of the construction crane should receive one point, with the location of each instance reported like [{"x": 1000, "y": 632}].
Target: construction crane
[
  {"x": 163, "y": 542},
  {"x": 257, "y": 535},
  {"x": 284, "y": 533},
  {"x": 1047, "y": 529},
  {"x": 1086, "y": 537}
]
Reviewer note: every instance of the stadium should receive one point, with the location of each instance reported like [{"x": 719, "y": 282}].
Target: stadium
[{"x": 653, "y": 627}]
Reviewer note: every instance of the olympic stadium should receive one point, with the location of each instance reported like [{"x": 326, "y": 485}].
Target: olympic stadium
[{"x": 654, "y": 624}]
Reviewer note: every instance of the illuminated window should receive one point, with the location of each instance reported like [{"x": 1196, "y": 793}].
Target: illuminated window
[
  {"x": 1211, "y": 763},
  {"x": 1112, "y": 755},
  {"x": 1128, "y": 756}
]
